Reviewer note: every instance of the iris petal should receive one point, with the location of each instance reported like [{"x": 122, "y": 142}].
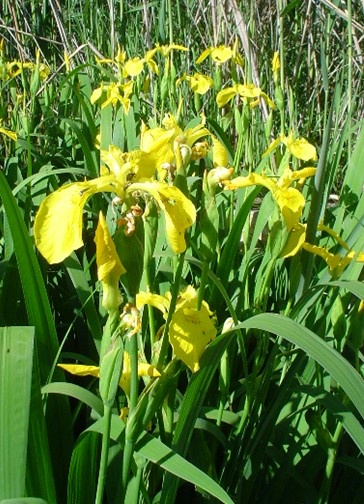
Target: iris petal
[{"x": 58, "y": 223}]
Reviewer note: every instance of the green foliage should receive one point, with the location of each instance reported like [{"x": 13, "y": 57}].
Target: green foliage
[{"x": 273, "y": 409}]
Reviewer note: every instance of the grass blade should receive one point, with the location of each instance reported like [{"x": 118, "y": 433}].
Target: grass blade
[
  {"x": 16, "y": 354},
  {"x": 338, "y": 367}
]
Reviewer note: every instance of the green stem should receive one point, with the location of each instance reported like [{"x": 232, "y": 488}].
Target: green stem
[
  {"x": 172, "y": 307},
  {"x": 281, "y": 55},
  {"x": 201, "y": 289},
  {"x": 104, "y": 455},
  {"x": 133, "y": 399},
  {"x": 350, "y": 73},
  {"x": 315, "y": 209},
  {"x": 330, "y": 464}
]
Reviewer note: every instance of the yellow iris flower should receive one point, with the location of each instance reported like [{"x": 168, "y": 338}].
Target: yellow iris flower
[
  {"x": 199, "y": 83},
  {"x": 336, "y": 262},
  {"x": 113, "y": 93},
  {"x": 161, "y": 147},
  {"x": 298, "y": 147},
  {"x": 221, "y": 54},
  {"x": 289, "y": 199},
  {"x": 165, "y": 50},
  {"x": 58, "y": 223},
  {"x": 133, "y": 67},
  {"x": 190, "y": 329},
  {"x": 248, "y": 91},
  {"x": 144, "y": 369}
]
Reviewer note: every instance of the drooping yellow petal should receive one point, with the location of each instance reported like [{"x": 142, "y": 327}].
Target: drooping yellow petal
[
  {"x": 109, "y": 267},
  {"x": 221, "y": 54},
  {"x": 336, "y": 262},
  {"x": 189, "y": 333},
  {"x": 248, "y": 90},
  {"x": 96, "y": 94},
  {"x": 180, "y": 212},
  {"x": 156, "y": 300},
  {"x": 225, "y": 95},
  {"x": 272, "y": 146},
  {"x": 166, "y": 49},
  {"x": 58, "y": 223},
  {"x": 11, "y": 134},
  {"x": 295, "y": 241},
  {"x": 268, "y": 100},
  {"x": 300, "y": 148},
  {"x": 289, "y": 199},
  {"x": 134, "y": 66},
  {"x": 219, "y": 153},
  {"x": 201, "y": 83},
  {"x": 321, "y": 227},
  {"x": 205, "y": 54},
  {"x": 81, "y": 369},
  {"x": 291, "y": 203},
  {"x": 249, "y": 180}
]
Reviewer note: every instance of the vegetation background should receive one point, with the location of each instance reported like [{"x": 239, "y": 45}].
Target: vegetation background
[{"x": 276, "y": 415}]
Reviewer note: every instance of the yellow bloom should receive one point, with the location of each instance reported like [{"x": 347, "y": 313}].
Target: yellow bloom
[
  {"x": 148, "y": 58},
  {"x": 179, "y": 211},
  {"x": 289, "y": 199},
  {"x": 133, "y": 67},
  {"x": 299, "y": 147},
  {"x": 248, "y": 91},
  {"x": 219, "y": 54},
  {"x": 113, "y": 93},
  {"x": 109, "y": 267},
  {"x": 190, "y": 329},
  {"x": 276, "y": 64},
  {"x": 219, "y": 153},
  {"x": 336, "y": 262},
  {"x": 14, "y": 68},
  {"x": 162, "y": 146},
  {"x": 144, "y": 369},
  {"x": 199, "y": 83},
  {"x": 165, "y": 50},
  {"x": 11, "y": 134},
  {"x": 58, "y": 223}
]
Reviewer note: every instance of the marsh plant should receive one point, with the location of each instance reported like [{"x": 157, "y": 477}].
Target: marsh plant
[{"x": 181, "y": 267}]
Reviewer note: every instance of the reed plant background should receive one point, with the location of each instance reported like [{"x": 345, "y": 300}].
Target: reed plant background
[{"x": 275, "y": 412}]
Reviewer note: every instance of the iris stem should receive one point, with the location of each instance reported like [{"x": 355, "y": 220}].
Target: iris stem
[
  {"x": 104, "y": 455},
  {"x": 172, "y": 307},
  {"x": 201, "y": 290},
  {"x": 133, "y": 399}
]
